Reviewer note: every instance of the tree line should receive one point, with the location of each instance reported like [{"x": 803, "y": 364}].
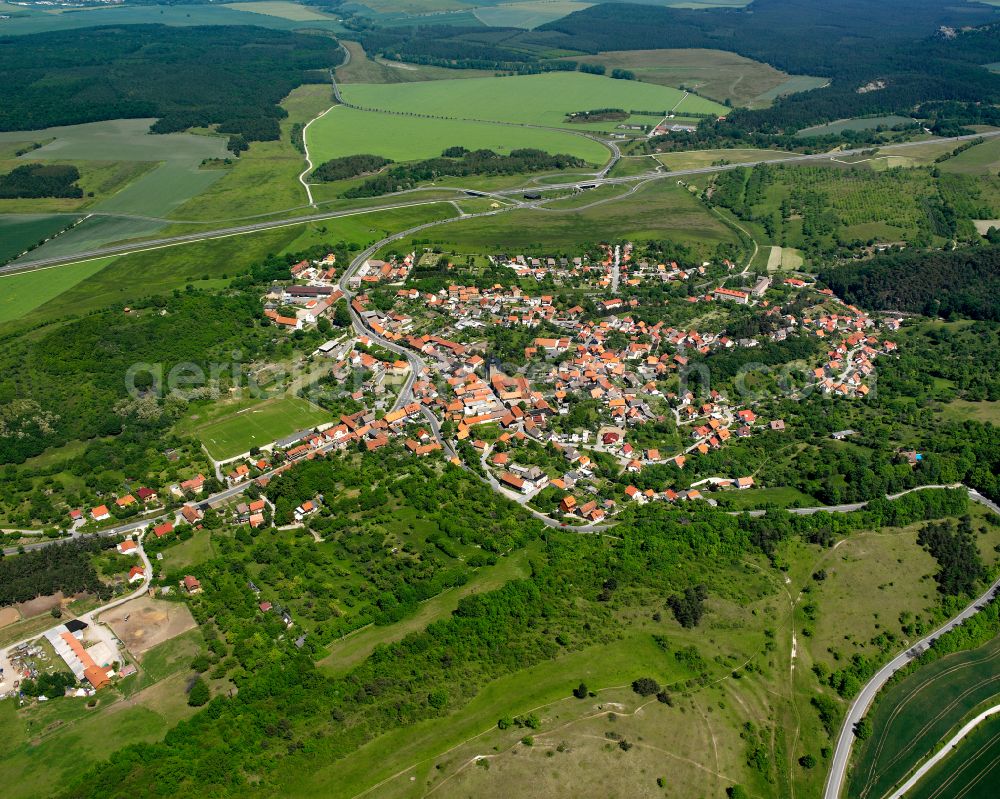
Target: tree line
[{"x": 462, "y": 163}]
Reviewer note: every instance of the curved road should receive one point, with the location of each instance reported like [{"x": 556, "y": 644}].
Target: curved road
[{"x": 860, "y": 705}]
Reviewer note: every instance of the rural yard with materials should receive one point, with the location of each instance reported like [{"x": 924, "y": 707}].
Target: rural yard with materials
[{"x": 145, "y": 623}]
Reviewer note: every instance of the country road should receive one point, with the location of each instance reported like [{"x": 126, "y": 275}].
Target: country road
[{"x": 842, "y": 754}]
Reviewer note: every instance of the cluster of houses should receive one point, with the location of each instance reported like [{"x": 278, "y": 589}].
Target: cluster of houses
[
  {"x": 311, "y": 295},
  {"x": 375, "y": 271}
]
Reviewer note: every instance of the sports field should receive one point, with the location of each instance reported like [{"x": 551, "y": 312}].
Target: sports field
[
  {"x": 346, "y": 131},
  {"x": 972, "y": 771},
  {"x": 528, "y": 99},
  {"x": 712, "y": 73},
  {"x": 919, "y": 712},
  {"x": 258, "y": 425}
]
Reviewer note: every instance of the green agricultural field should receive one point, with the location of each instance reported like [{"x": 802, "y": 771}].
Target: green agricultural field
[
  {"x": 209, "y": 263},
  {"x": 98, "y": 180},
  {"x": 657, "y": 210},
  {"x": 716, "y": 74},
  {"x": 283, "y": 9},
  {"x": 118, "y": 140},
  {"x": 920, "y": 711},
  {"x": 346, "y": 131},
  {"x": 40, "y": 21},
  {"x": 972, "y": 771},
  {"x": 863, "y": 123},
  {"x": 97, "y": 231},
  {"x": 18, "y": 233},
  {"x": 265, "y": 178},
  {"x": 528, "y": 99},
  {"x": 21, "y": 293},
  {"x": 259, "y": 425},
  {"x": 152, "y": 192},
  {"x": 529, "y": 14},
  {"x": 982, "y": 159}
]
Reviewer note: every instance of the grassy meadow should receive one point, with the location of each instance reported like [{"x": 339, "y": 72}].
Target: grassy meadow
[
  {"x": 861, "y": 123},
  {"x": 714, "y": 74},
  {"x": 656, "y": 210},
  {"x": 210, "y": 263},
  {"x": 347, "y": 131},
  {"x": 528, "y": 99},
  {"x": 21, "y": 293},
  {"x": 362, "y": 69}
]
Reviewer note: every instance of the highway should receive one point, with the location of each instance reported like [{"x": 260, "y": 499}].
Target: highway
[
  {"x": 600, "y": 180},
  {"x": 842, "y": 754}
]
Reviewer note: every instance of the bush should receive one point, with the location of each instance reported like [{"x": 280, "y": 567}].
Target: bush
[
  {"x": 645, "y": 686},
  {"x": 198, "y": 695},
  {"x": 580, "y": 692}
]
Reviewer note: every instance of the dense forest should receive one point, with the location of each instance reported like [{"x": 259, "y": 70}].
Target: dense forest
[
  {"x": 233, "y": 77},
  {"x": 461, "y": 163},
  {"x": 963, "y": 282},
  {"x": 41, "y": 180},
  {"x": 59, "y": 567}
]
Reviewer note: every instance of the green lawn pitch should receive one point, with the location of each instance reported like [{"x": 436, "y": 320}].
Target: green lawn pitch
[{"x": 259, "y": 425}]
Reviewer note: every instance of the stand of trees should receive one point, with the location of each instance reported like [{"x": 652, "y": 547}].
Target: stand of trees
[
  {"x": 187, "y": 76},
  {"x": 350, "y": 166},
  {"x": 463, "y": 162},
  {"x": 41, "y": 180},
  {"x": 954, "y": 548},
  {"x": 962, "y": 282},
  {"x": 59, "y": 567}
]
